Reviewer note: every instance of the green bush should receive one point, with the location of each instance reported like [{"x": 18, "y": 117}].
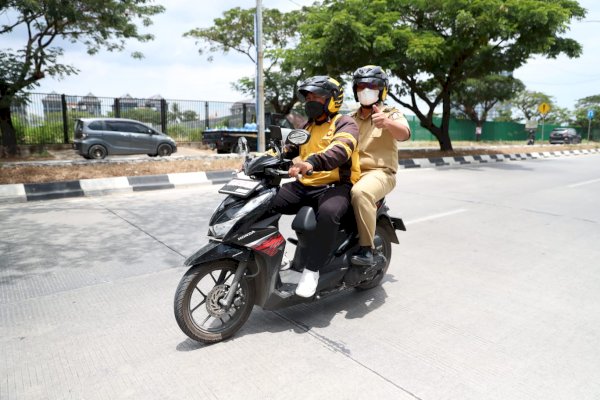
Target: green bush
[{"x": 183, "y": 134}]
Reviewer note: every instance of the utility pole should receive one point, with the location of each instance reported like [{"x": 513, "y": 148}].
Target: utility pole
[{"x": 260, "y": 83}]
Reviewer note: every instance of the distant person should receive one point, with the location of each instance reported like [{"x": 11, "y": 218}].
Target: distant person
[{"x": 380, "y": 128}]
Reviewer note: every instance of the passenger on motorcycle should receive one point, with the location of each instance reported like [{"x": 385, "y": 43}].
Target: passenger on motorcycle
[
  {"x": 331, "y": 153},
  {"x": 380, "y": 127}
]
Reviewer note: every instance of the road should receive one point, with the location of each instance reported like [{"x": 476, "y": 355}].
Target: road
[{"x": 493, "y": 293}]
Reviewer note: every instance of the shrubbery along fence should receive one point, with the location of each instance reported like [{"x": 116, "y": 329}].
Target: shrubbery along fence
[{"x": 50, "y": 119}]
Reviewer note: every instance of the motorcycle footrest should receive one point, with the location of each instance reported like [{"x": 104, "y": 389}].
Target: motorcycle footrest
[{"x": 287, "y": 289}]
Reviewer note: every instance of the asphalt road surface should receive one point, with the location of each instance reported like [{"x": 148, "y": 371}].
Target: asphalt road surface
[{"x": 493, "y": 293}]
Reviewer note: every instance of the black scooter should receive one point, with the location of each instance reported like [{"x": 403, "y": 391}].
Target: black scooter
[{"x": 241, "y": 265}]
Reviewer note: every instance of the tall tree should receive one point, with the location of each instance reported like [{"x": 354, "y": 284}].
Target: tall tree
[
  {"x": 527, "y": 102},
  {"x": 581, "y": 111},
  {"x": 43, "y": 23},
  {"x": 433, "y": 46},
  {"x": 235, "y": 32},
  {"x": 474, "y": 98}
]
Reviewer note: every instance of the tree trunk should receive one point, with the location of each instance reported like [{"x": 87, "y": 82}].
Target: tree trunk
[
  {"x": 426, "y": 120},
  {"x": 9, "y": 136},
  {"x": 444, "y": 135}
]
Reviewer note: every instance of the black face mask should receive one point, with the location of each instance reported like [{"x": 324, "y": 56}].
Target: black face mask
[{"x": 314, "y": 109}]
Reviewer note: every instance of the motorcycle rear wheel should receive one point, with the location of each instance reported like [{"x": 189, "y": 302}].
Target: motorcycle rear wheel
[
  {"x": 197, "y": 309},
  {"x": 383, "y": 245}
]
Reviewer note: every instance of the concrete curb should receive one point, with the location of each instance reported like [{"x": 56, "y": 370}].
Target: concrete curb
[{"x": 16, "y": 193}]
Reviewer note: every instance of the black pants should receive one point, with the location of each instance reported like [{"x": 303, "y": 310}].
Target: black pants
[{"x": 330, "y": 204}]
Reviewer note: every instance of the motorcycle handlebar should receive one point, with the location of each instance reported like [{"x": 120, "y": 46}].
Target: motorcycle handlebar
[{"x": 282, "y": 173}]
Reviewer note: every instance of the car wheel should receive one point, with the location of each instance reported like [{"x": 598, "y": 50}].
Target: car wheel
[
  {"x": 97, "y": 152},
  {"x": 164, "y": 150},
  {"x": 567, "y": 141}
]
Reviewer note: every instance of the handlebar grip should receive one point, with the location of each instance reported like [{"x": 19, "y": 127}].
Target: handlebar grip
[
  {"x": 278, "y": 172},
  {"x": 309, "y": 173}
]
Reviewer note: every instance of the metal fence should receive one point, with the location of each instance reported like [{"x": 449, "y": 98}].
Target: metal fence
[
  {"x": 50, "y": 118},
  {"x": 461, "y": 129}
]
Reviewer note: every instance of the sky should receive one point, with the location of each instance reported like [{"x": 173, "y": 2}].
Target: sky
[{"x": 173, "y": 68}]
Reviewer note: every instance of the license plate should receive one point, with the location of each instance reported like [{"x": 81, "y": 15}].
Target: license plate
[{"x": 239, "y": 187}]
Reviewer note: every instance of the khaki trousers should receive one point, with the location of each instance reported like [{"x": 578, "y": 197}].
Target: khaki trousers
[{"x": 371, "y": 187}]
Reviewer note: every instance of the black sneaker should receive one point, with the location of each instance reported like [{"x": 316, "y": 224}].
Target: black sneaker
[{"x": 364, "y": 256}]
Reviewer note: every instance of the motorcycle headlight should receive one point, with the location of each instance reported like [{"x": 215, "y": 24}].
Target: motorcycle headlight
[{"x": 220, "y": 229}]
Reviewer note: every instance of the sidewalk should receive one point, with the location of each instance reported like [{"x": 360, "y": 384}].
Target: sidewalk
[{"x": 16, "y": 193}]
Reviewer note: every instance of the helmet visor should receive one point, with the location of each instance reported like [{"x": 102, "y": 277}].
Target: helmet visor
[
  {"x": 369, "y": 83},
  {"x": 304, "y": 90}
]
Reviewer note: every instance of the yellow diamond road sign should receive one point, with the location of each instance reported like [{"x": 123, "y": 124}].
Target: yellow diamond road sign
[{"x": 544, "y": 108}]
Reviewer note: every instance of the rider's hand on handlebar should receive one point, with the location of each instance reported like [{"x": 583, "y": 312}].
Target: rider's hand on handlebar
[{"x": 300, "y": 168}]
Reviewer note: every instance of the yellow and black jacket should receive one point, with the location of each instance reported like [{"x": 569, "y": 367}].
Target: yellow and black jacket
[{"x": 332, "y": 150}]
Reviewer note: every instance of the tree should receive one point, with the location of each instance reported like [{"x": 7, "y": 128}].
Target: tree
[
  {"x": 189, "y": 115},
  {"x": 474, "y": 98},
  {"x": 528, "y": 102},
  {"x": 175, "y": 114},
  {"x": 235, "y": 31},
  {"x": 95, "y": 24},
  {"x": 433, "y": 46},
  {"x": 581, "y": 111}
]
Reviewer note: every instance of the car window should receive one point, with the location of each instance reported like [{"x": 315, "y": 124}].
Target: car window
[
  {"x": 124, "y": 126},
  {"x": 95, "y": 126},
  {"x": 138, "y": 128}
]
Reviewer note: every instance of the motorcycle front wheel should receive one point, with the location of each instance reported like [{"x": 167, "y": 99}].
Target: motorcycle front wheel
[{"x": 198, "y": 311}]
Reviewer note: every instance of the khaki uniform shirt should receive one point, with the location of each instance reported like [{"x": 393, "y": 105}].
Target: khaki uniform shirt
[{"x": 378, "y": 149}]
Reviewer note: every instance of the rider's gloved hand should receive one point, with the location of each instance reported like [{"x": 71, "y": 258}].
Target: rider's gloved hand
[{"x": 300, "y": 168}]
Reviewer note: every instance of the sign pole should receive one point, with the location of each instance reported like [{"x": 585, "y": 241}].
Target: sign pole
[
  {"x": 260, "y": 80},
  {"x": 543, "y": 123},
  {"x": 590, "y": 117},
  {"x": 543, "y": 109}
]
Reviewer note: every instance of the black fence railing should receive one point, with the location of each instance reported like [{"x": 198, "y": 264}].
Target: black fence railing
[{"x": 50, "y": 118}]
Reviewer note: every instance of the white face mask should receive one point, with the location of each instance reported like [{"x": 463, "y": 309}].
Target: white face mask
[{"x": 368, "y": 97}]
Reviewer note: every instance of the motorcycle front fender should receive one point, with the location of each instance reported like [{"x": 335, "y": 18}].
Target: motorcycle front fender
[{"x": 214, "y": 250}]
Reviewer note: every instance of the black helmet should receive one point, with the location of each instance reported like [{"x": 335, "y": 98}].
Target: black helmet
[
  {"x": 371, "y": 74},
  {"x": 326, "y": 87}
]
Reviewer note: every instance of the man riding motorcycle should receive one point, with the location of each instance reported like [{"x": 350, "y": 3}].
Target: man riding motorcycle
[{"x": 329, "y": 167}]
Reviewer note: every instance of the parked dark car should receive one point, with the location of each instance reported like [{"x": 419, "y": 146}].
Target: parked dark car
[
  {"x": 564, "y": 135},
  {"x": 98, "y": 137}
]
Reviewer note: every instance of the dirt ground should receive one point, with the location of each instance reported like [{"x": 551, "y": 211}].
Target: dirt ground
[{"x": 207, "y": 160}]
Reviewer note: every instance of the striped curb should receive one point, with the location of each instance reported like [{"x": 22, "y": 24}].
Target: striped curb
[
  {"x": 16, "y": 193},
  {"x": 484, "y": 159}
]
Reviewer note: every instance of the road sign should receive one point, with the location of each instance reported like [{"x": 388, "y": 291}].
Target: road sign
[
  {"x": 544, "y": 108},
  {"x": 590, "y": 114},
  {"x": 531, "y": 124}
]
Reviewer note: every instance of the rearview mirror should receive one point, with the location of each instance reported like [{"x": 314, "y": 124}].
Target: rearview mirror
[
  {"x": 298, "y": 136},
  {"x": 275, "y": 132}
]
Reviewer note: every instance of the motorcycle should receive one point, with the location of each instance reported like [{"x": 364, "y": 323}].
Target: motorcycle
[
  {"x": 241, "y": 265},
  {"x": 531, "y": 137}
]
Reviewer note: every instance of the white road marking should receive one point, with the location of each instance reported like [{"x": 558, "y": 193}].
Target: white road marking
[
  {"x": 436, "y": 216},
  {"x": 583, "y": 183}
]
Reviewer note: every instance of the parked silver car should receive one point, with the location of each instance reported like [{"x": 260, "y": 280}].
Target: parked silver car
[{"x": 98, "y": 137}]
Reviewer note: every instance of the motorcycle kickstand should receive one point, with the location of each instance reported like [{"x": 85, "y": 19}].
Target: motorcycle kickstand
[{"x": 239, "y": 272}]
